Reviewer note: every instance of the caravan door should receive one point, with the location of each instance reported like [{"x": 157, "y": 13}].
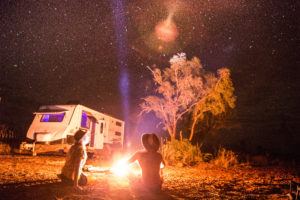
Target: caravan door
[
  {"x": 93, "y": 124},
  {"x": 98, "y": 136},
  {"x": 90, "y": 122}
]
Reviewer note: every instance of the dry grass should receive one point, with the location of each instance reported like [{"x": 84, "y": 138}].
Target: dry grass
[
  {"x": 181, "y": 153},
  {"x": 226, "y": 158},
  {"x": 24, "y": 177},
  {"x": 5, "y": 149}
]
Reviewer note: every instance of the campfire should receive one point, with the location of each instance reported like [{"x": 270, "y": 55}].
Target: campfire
[{"x": 120, "y": 168}]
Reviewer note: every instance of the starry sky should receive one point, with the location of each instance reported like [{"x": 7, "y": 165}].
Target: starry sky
[{"x": 59, "y": 51}]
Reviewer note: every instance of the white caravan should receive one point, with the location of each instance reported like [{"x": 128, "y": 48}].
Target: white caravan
[{"x": 54, "y": 126}]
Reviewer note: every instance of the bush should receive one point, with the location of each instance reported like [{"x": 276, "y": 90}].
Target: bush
[
  {"x": 226, "y": 158},
  {"x": 6, "y": 137},
  {"x": 5, "y": 133},
  {"x": 4, "y": 149},
  {"x": 181, "y": 153}
]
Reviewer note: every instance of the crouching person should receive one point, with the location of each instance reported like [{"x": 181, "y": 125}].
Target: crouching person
[
  {"x": 150, "y": 161},
  {"x": 76, "y": 157}
]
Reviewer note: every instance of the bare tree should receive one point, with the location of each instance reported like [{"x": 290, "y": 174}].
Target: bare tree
[{"x": 178, "y": 89}]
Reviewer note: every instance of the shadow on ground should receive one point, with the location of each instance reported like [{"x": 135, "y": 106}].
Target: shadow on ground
[{"x": 55, "y": 190}]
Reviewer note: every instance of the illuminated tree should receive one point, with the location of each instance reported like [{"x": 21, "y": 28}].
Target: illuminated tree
[
  {"x": 218, "y": 100},
  {"x": 178, "y": 89}
]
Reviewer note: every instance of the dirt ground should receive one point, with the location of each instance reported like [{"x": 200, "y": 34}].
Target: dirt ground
[{"x": 26, "y": 177}]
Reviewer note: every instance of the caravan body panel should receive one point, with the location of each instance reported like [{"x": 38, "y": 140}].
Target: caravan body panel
[
  {"x": 60, "y": 123},
  {"x": 50, "y": 123}
]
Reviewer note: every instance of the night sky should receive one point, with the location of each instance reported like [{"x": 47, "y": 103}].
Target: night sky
[{"x": 96, "y": 53}]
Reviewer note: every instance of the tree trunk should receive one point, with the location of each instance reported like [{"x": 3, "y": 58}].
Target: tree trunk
[
  {"x": 193, "y": 129},
  {"x": 173, "y": 137},
  {"x": 174, "y": 131},
  {"x": 171, "y": 133}
]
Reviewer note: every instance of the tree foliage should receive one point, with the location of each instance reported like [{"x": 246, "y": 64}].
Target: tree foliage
[
  {"x": 184, "y": 87},
  {"x": 218, "y": 100},
  {"x": 178, "y": 89}
]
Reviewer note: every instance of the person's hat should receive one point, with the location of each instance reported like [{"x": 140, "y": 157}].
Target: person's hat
[
  {"x": 150, "y": 142},
  {"x": 79, "y": 134}
]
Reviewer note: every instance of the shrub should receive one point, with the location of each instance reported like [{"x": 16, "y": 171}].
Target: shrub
[
  {"x": 225, "y": 158},
  {"x": 5, "y": 133},
  {"x": 181, "y": 153},
  {"x": 6, "y": 136},
  {"x": 5, "y": 149}
]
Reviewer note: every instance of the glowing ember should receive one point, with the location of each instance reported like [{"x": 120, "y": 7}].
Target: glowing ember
[{"x": 91, "y": 168}]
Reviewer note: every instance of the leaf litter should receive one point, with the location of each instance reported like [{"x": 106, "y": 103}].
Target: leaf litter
[{"x": 26, "y": 177}]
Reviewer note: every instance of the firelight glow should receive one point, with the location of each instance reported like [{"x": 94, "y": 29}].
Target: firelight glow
[{"x": 122, "y": 168}]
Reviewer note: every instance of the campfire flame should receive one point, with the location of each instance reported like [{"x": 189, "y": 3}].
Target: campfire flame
[{"x": 122, "y": 168}]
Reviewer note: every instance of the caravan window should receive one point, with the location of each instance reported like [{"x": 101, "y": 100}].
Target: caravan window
[
  {"x": 118, "y": 133},
  {"x": 85, "y": 121},
  {"x": 53, "y": 117},
  {"x": 101, "y": 128}
]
